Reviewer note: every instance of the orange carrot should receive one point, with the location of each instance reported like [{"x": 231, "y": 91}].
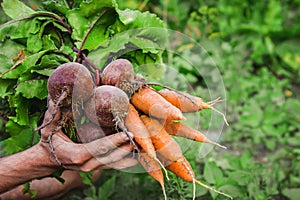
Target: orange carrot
[
  {"x": 139, "y": 130},
  {"x": 165, "y": 145},
  {"x": 162, "y": 141},
  {"x": 141, "y": 134},
  {"x": 170, "y": 153},
  {"x": 188, "y": 103},
  {"x": 185, "y": 102},
  {"x": 151, "y": 103},
  {"x": 183, "y": 169},
  {"x": 153, "y": 169},
  {"x": 182, "y": 130}
]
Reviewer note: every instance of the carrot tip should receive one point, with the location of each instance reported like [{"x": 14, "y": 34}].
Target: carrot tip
[
  {"x": 219, "y": 145},
  {"x": 222, "y": 114},
  {"x": 164, "y": 190},
  {"x": 214, "y": 143},
  {"x": 213, "y": 189}
]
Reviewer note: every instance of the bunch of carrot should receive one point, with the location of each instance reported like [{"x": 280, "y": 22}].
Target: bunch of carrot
[{"x": 153, "y": 116}]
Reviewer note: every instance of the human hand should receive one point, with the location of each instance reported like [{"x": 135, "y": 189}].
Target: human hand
[{"x": 108, "y": 152}]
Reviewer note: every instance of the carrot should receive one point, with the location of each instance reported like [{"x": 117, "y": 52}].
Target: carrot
[
  {"x": 188, "y": 103},
  {"x": 182, "y": 130},
  {"x": 165, "y": 145},
  {"x": 151, "y": 103},
  {"x": 153, "y": 169},
  {"x": 141, "y": 134},
  {"x": 183, "y": 101},
  {"x": 170, "y": 153},
  {"x": 183, "y": 169},
  {"x": 139, "y": 130},
  {"x": 162, "y": 141}
]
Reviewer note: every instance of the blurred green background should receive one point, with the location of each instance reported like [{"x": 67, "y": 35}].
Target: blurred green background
[{"x": 256, "y": 46}]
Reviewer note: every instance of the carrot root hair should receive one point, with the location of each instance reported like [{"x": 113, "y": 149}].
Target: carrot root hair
[
  {"x": 163, "y": 190},
  {"x": 193, "y": 177},
  {"x": 213, "y": 189},
  {"x": 213, "y": 102},
  {"x": 219, "y": 112},
  {"x": 163, "y": 167},
  {"x": 217, "y": 144}
]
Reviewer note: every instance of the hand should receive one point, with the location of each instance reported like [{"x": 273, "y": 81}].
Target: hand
[{"x": 107, "y": 152}]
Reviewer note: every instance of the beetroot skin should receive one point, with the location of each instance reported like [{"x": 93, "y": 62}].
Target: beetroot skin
[
  {"x": 88, "y": 132},
  {"x": 107, "y": 104},
  {"x": 118, "y": 71},
  {"x": 74, "y": 80}
]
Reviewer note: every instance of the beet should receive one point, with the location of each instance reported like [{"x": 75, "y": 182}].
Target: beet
[
  {"x": 88, "y": 132},
  {"x": 107, "y": 106},
  {"x": 118, "y": 71},
  {"x": 70, "y": 81}
]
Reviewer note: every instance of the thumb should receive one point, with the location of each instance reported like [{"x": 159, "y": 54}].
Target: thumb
[{"x": 51, "y": 118}]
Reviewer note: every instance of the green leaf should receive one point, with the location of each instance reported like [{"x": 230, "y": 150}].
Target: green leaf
[
  {"x": 16, "y": 29},
  {"x": 232, "y": 190},
  {"x": 9, "y": 50},
  {"x": 21, "y": 136},
  {"x": 246, "y": 160},
  {"x": 87, "y": 178},
  {"x": 289, "y": 53},
  {"x": 33, "y": 88},
  {"x": 45, "y": 72},
  {"x": 107, "y": 189},
  {"x": 93, "y": 7},
  {"x": 151, "y": 40},
  {"x": 5, "y": 63},
  {"x": 17, "y": 70},
  {"x": 37, "y": 41},
  {"x": 34, "y": 43},
  {"x": 57, "y": 5},
  {"x": 273, "y": 16},
  {"x": 137, "y": 19},
  {"x": 79, "y": 24},
  {"x": 212, "y": 173},
  {"x": 26, "y": 190},
  {"x": 291, "y": 193},
  {"x": 16, "y": 9},
  {"x": 252, "y": 115},
  {"x": 99, "y": 32},
  {"x": 4, "y": 86},
  {"x": 108, "y": 47},
  {"x": 50, "y": 61},
  {"x": 146, "y": 29},
  {"x": 58, "y": 174},
  {"x": 82, "y": 26},
  {"x": 21, "y": 108},
  {"x": 240, "y": 176}
]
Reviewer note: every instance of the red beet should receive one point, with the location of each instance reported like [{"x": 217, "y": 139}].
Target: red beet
[
  {"x": 118, "y": 71},
  {"x": 107, "y": 105},
  {"x": 70, "y": 81},
  {"x": 88, "y": 132}
]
